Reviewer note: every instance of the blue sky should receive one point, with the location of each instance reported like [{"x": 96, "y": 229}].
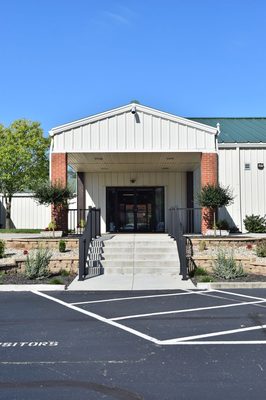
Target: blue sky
[{"x": 62, "y": 60}]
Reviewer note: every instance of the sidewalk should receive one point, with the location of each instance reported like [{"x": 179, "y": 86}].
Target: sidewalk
[{"x": 131, "y": 282}]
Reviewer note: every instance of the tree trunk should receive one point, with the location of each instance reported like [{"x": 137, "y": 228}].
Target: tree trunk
[{"x": 8, "y": 212}]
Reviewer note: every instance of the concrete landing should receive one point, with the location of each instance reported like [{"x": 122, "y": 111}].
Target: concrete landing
[{"x": 130, "y": 282}]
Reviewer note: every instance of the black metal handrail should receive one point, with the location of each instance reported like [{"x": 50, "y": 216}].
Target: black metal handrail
[
  {"x": 92, "y": 230},
  {"x": 181, "y": 221}
]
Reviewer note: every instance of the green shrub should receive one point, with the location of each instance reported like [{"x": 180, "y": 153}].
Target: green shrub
[
  {"x": 255, "y": 223},
  {"x": 64, "y": 272},
  {"x": 200, "y": 272},
  {"x": 261, "y": 249},
  {"x": 226, "y": 266},
  {"x": 2, "y": 248},
  {"x": 202, "y": 245},
  {"x": 52, "y": 226},
  {"x": 37, "y": 264},
  {"x": 56, "y": 281},
  {"x": 223, "y": 225},
  {"x": 62, "y": 246},
  {"x": 82, "y": 223}
]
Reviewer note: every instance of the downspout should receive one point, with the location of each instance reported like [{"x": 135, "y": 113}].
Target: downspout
[
  {"x": 240, "y": 191},
  {"x": 216, "y": 146},
  {"x": 216, "y": 135}
]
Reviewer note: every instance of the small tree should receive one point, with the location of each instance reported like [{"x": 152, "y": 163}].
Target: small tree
[
  {"x": 23, "y": 159},
  {"x": 213, "y": 197},
  {"x": 55, "y": 195}
]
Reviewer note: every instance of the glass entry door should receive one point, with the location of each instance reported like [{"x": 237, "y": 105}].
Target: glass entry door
[{"x": 135, "y": 209}]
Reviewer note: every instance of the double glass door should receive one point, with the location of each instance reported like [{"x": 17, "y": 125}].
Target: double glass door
[{"x": 135, "y": 209}]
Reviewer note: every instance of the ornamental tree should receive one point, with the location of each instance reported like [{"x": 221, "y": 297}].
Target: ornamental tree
[
  {"x": 213, "y": 197},
  {"x": 24, "y": 159},
  {"x": 56, "y": 195}
]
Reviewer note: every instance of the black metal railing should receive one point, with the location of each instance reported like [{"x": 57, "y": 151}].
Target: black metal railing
[
  {"x": 182, "y": 221},
  {"x": 92, "y": 231},
  {"x": 77, "y": 218}
]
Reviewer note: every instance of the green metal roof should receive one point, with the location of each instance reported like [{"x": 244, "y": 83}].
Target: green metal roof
[{"x": 238, "y": 130}]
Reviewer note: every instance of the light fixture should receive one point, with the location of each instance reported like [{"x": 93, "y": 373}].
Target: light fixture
[{"x": 133, "y": 180}]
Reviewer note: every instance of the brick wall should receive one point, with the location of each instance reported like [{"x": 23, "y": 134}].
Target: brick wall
[
  {"x": 59, "y": 175},
  {"x": 209, "y": 174}
]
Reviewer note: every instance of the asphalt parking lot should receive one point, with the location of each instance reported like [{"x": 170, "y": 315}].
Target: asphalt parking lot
[{"x": 133, "y": 345}]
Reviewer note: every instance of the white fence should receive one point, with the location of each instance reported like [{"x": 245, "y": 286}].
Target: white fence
[{"x": 26, "y": 213}]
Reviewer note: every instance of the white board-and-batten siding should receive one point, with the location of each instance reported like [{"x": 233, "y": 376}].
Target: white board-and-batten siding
[
  {"x": 141, "y": 132},
  {"x": 248, "y": 185},
  {"x": 174, "y": 184}
]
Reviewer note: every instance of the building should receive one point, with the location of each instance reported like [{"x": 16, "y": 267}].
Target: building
[{"x": 135, "y": 162}]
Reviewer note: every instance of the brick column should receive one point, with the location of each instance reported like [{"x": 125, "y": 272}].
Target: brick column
[
  {"x": 209, "y": 175},
  {"x": 59, "y": 175}
]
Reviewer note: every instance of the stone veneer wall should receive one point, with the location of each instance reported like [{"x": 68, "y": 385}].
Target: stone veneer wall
[{"x": 251, "y": 263}]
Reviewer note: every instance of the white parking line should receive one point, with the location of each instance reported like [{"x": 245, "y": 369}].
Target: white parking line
[
  {"x": 98, "y": 317},
  {"x": 186, "y": 310},
  {"x": 215, "y": 342},
  {"x": 188, "y": 340},
  {"x": 140, "y": 297},
  {"x": 205, "y": 335},
  {"x": 241, "y": 295}
]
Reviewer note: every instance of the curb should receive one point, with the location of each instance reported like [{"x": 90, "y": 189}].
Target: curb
[
  {"x": 29, "y": 288},
  {"x": 231, "y": 285}
]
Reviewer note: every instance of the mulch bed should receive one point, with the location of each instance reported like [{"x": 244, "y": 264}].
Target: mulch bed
[
  {"x": 248, "y": 278},
  {"x": 20, "y": 279}
]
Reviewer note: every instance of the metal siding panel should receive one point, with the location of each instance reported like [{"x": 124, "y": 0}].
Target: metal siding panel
[
  {"x": 68, "y": 140},
  {"x": 174, "y": 135},
  {"x": 76, "y": 142},
  {"x": 200, "y": 140},
  {"x": 112, "y": 133},
  {"x": 183, "y": 142},
  {"x": 156, "y": 133},
  {"x": 147, "y": 126},
  {"x": 139, "y": 136},
  {"x": 229, "y": 176},
  {"x": 95, "y": 136},
  {"x": 103, "y": 140},
  {"x": 121, "y": 132},
  {"x": 165, "y": 134},
  {"x": 26, "y": 213},
  {"x": 191, "y": 138},
  {"x": 209, "y": 141},
  {"x": 59, "y": 142},
  {"x": 130, "y": 132},
  {"x": 86, "y": 138}
]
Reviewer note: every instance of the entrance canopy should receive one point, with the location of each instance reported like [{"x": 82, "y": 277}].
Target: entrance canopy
[
  {"x": 135, "y": 146},
  {"x": 131, "y": 129}
]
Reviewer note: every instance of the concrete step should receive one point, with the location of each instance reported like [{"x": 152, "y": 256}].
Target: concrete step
[
  {"x": 140, "y": 264},
  {"x": 142, "y": 271},
  {"x": 164, "y": 244},
  {"x": 142, "y": 250},
  {"x": 140, "y": 256}
]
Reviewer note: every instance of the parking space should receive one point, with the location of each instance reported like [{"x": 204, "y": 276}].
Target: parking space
[
  {"x": 181, "y": 317},
  {"x": 133, "y": 345}
]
